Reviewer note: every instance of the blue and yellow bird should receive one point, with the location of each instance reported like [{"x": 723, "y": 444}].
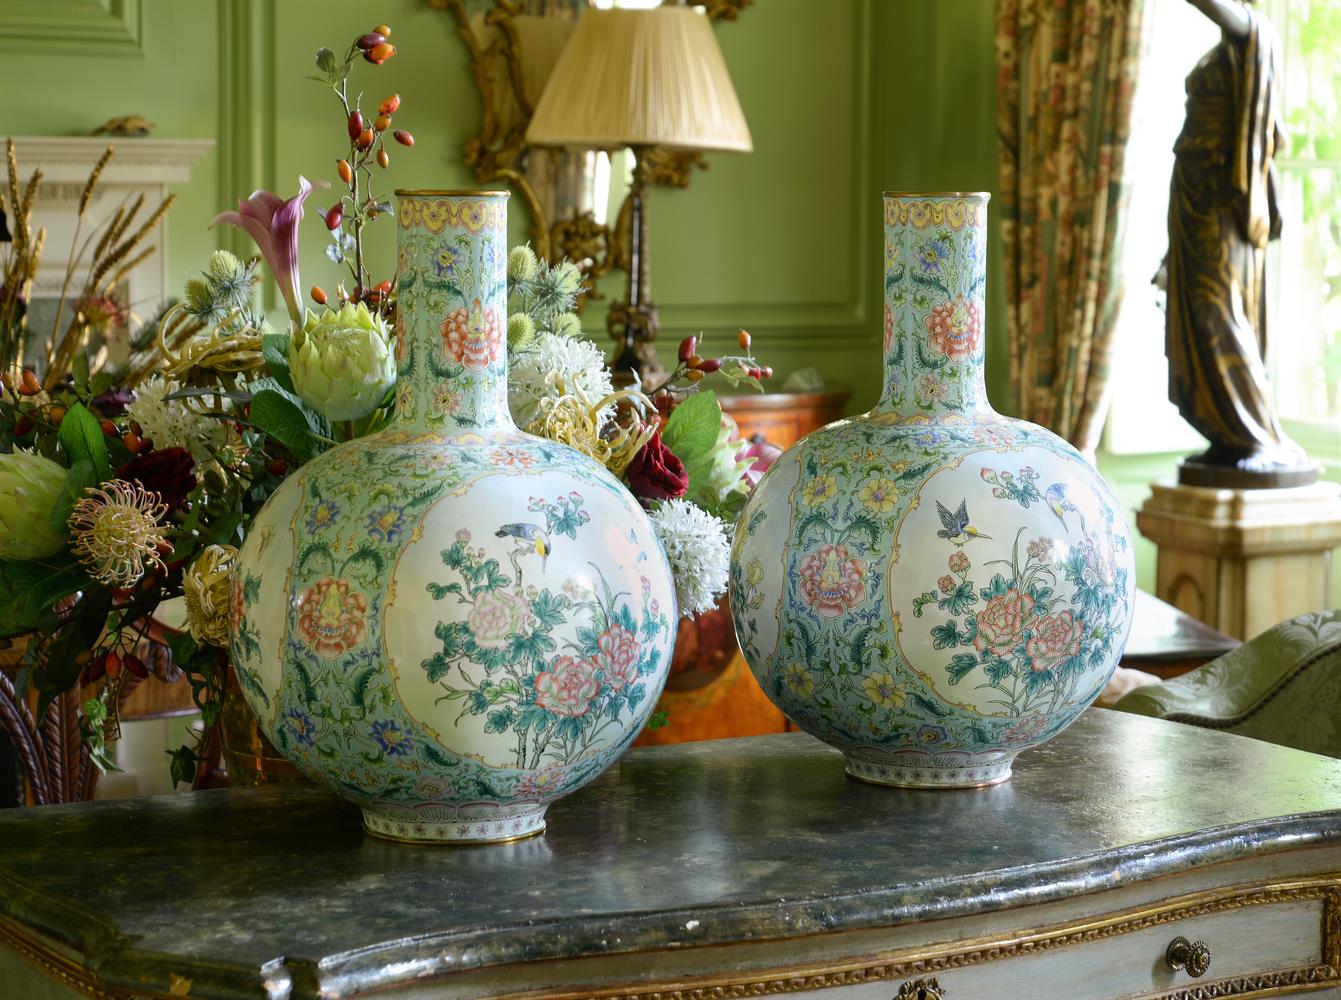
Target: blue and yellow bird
[
  {"x": 1057, "y": 501},
  {"x": 529, "y": 539},
  {"x": 956, "y": 527}
]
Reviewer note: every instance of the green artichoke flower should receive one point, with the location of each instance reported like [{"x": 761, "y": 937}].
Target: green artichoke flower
[
  {"x": 341, "y": 362},
  {"x": 30, "y": 485}
]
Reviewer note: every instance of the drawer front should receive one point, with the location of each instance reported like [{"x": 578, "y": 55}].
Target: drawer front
[
  {"x": 1258, "y": 941},
  {"x": 1261, "y": 940}
]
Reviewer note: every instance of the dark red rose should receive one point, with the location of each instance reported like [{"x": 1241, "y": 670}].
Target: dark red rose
[
  {"x": 167, "y": 472},
  {"x": 655, "y": 473}
]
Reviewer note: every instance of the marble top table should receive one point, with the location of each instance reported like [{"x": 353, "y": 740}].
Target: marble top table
[{"x": 761, "y": 841}]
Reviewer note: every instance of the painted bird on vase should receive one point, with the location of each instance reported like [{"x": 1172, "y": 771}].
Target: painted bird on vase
[
  {"x": 1057, "y": 501},
  {"x": 956, "y": 524},
  {"x": 529, "y": 539}
]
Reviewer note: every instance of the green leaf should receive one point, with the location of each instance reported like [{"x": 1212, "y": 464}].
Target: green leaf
[
  {"x": 95, "y": 711},
  {"x": 210, "y": 392},
  {"x": 359, "y": 689},
  {"x": 81, "y": 373},
  {"x": 961, "y": 664},
  {"x": 80, "y": 632},
  {"x": 275, "y": 351},
  {"x": 692, "y": 428},
  {"x": 326, "y": 60},
  {"x": 183, "y": 647},
  {"x": 224, "y": 530},
  {"x": 286, "y": 421},
  {"x": 79, "y": 477},
  {"x": 81, "y": 437},
  {"x": 100, "y": 383},
  {"x": 29, "y": 589},
  {"x": 658, "y": 719},
  {"x": 183, "y": 765}
]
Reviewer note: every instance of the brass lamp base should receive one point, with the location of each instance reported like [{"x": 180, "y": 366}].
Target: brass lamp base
[{"x": 633, "y": 323}]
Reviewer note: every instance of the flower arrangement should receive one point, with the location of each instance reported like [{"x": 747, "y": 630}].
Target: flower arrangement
[{"x": 121, "y": 490}]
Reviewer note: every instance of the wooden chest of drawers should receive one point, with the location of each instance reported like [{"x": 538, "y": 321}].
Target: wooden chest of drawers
[{"x": 1129, "y": 858}]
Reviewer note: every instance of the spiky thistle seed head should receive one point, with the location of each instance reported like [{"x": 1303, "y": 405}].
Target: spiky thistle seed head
[
  {"x": 521, "y": 264},
  {"x": 521, "y": 331}
]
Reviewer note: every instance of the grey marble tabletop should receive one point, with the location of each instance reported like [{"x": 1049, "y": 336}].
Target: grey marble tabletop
[{"x": 702, "y": 843}]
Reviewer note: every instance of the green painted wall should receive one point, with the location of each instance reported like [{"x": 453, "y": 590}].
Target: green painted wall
[
  {"x": 845, "y": 98},
  {"x": 50, "y": 85}
]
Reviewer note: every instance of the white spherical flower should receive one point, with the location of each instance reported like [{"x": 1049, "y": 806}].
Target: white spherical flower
[
  {"x": 171, "y": 423},
  {"x": 551, "y": 367},
  {"x": 698, "y": 549}
]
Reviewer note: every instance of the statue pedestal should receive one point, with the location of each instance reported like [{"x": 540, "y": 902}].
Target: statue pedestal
[{"x": 1243, "y": 560}]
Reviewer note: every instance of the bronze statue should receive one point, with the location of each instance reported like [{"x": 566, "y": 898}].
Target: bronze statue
[{"x": 1222, "y": 212}]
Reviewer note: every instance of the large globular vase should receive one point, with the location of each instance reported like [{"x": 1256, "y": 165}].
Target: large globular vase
[
  {"x": 450, "y": 622},
  {"x": 932, "y": 587}
]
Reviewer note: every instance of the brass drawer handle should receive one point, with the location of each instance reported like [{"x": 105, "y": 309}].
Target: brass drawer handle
[
  {"x": 921, "y": 989},
  {"x": 1194, "y": 958}
]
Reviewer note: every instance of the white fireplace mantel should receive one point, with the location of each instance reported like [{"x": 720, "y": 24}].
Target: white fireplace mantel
[
  {"x": 137, "y": 162},
  {"x": 138, "y": 166}
]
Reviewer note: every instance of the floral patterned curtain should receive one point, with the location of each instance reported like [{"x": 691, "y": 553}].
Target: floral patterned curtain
[{"x": 1066, "y": 73}]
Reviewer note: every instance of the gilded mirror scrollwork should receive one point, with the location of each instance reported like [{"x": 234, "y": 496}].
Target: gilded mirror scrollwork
[{"x": 571, "y": 195}]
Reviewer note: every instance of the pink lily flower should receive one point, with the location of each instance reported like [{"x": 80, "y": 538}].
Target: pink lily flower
[
  {"x": 273, "y": 224},
  {"x": 764, "y": 455}
]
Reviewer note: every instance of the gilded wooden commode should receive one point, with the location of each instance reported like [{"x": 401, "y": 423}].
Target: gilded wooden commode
[{"x": 725, "y": 869}]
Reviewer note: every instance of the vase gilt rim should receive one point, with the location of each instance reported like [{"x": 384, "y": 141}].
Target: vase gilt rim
[
  {"x": 984, "y": 195},
  {"x": 449, "y": 193}
]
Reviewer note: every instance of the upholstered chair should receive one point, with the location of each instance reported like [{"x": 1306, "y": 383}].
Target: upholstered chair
[{"x": 1282, "y": 687}]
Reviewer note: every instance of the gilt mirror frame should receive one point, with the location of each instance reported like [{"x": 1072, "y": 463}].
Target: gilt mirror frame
[{"x": 498, "y": 152}]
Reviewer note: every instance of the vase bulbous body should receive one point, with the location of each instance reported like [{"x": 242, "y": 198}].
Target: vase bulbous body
[
  {"x": 932, "y": 587},
  {"x": 450, "y": 622}
]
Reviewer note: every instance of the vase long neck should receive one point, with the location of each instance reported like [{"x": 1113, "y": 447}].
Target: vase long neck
[
  {"x": 451, "y": 310},
  {"x": 934, "y": 316}
]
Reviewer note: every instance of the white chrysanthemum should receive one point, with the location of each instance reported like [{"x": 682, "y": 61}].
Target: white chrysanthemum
[
  {"x": 170, "y": 423},
  {"x": 698, "y": 550},
  {"x": 551, "y": 367}
]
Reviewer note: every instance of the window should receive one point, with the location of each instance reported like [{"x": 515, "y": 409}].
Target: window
[{"x": 1303, "y": 268}]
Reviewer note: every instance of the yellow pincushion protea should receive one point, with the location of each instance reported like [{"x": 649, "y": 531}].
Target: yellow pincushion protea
[
  {"x": 205, "y": 588},
  {"x": 570, "y": 417},
  {"x": 115, "y": 532}
]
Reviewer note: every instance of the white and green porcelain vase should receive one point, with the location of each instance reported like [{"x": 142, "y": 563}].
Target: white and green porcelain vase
[
  {"x": 450, "y": 622},
  {"x": 932, "y": 587}
]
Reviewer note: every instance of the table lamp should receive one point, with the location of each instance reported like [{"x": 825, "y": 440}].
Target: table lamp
[{"x": 639, "y": 79}]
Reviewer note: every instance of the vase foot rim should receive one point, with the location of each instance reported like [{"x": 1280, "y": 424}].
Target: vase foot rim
[
  {"x": 452, "y": 841},
  {"x": 399, "y": 829},
  {"x": 925, "y": 775}
]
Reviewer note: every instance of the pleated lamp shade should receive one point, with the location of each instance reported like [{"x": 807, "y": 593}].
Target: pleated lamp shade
[{"x": 641, "y": 78}]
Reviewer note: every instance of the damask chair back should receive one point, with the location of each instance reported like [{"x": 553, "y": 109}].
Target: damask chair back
[{"x": 1282, "y": 687}]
